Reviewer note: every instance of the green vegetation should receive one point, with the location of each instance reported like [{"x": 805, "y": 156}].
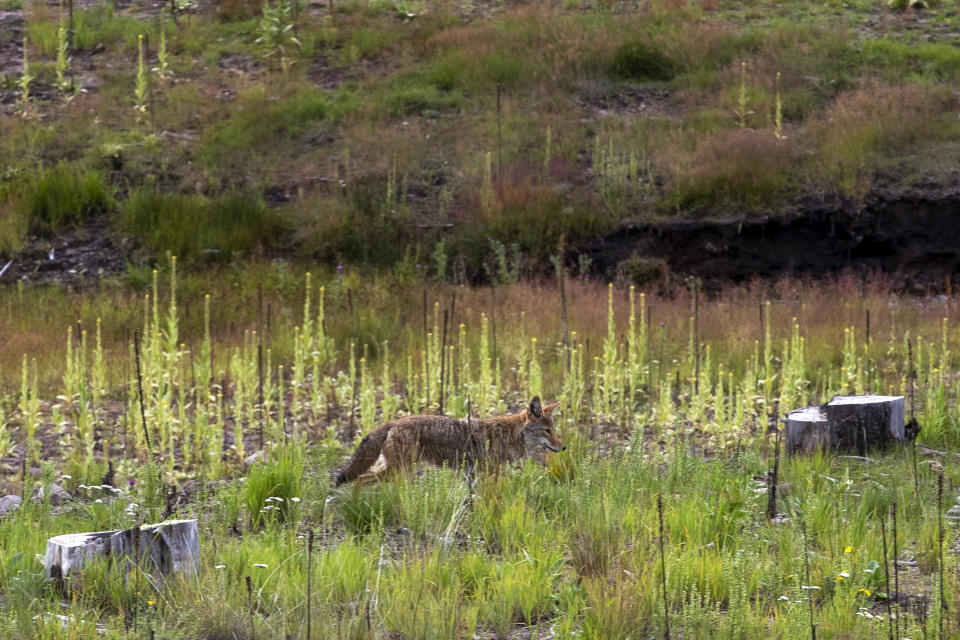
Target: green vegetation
[
  {"x": 64, "y": 195},
  {"x": 413, "y": 144},
  {"x": 637, "y": 60},
  {"x": 196, "y": 226},
  {"x": 657, "y": 111},
  {"x": 677, "y": 412}
]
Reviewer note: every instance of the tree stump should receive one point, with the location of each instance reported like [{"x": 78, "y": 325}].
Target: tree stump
[
  {"x": 806, "y": 430},
  {"x": 859, "y": 423},
  {"x": 848, "y": 424},
  {"x": 173, "y": 545}
]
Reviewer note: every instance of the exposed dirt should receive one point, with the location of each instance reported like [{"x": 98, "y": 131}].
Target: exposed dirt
[
  {"x": 600, "y": 99},
  {"x": 77, "y": 257},
  {"x": 325, "y": 74},
  {"x": 11, "y": 47},
  {"x": 912, "y": 237}
]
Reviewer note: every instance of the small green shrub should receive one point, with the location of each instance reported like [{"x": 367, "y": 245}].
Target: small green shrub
[
  {"x": 271, "y": 487},
  {"x": 643, "y": 272},
  {"x": 477, "y": 73},
  {"x": 65, "y": 195},
  {"x": 508, "y": 70},
  {"x": 445, "y": 73},
  {"x": 191, "y": 226},
  {"x": 367, "y": 225},
  {"x": 261, "y": 120},
  {"x": 639, "y": 60},
  {"x": 42, "y": 37},
  {"x": 150, "y": 492},
  {"x": 414, "y": 98},
  {"x": 100, "y": 25},
  {"x": 369, "y": 44},
  {"x": 364, "y": 509}
]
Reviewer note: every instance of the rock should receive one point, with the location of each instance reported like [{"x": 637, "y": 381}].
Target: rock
[
  {"x": 92, "y": 83},
  {"x": 9, "y": 504},
  {"x": 171, "y": 546},
  {"x": 847, "y": 424},
  {"x": 58, "y": 495},
  {"x": 252, "y": 459},
  {"x": 953, "y": 514}
]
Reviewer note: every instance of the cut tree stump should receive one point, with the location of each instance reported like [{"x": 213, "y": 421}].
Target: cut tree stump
[
  {"x": 173, "y": 545},
  {"x": 847, "y": 424},
  {"x": 806, "y": 430}
]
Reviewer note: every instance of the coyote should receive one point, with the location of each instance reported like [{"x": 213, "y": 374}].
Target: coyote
[{"x": 453, "y": 441}]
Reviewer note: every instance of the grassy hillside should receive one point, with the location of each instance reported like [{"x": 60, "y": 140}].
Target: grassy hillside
[{"x": 371, "y": 131}]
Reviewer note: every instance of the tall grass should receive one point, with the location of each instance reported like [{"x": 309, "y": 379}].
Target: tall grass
[
  {"x": 199, "y": 227},
  {"x": 65, "y": 195},
  {"x": 571, "y": 546}
]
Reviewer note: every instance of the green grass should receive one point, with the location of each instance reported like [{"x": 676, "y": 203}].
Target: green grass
[
  {"x": 270, "y": 486},
  {"x": 930, "y": 62},
  {"x": 409, "y": 98},
  {"x": 572, "y": 546},
  {"x": 65, "y": 195},
  {"x": 97, "y": 25},
  {"x": 638, "y": 60},
  {"x": 730, "y": 573},
  {"x": 196, "y": 227},
  {"x": 417, "y": 98},
  {"x": 264, "y": 122}
]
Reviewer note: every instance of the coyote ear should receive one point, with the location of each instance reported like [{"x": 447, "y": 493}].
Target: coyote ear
[
  {"x": 548, "y": 409},
  {"x": 535, "y": 409}
]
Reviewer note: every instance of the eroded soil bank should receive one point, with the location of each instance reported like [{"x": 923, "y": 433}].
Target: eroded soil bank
[
  {"x": 912, "y": 239},
  {"x": 915, "y": 238}
]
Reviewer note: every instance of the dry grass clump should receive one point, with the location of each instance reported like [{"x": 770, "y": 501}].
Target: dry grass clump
[
  {"x": 742, "y": 168},
  {"x": 531, "y": 45},
  {"x": 879, "y": 124}
]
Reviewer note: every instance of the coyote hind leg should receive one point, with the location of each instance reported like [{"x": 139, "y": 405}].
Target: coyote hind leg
[
  {"x": 395, "y": 459},
  {"x": 376, "y": 473},
  {"x": 400, "y": 457}
]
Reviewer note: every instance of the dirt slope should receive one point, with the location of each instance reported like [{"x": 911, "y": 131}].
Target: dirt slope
[{"x": 915, "y": 238}]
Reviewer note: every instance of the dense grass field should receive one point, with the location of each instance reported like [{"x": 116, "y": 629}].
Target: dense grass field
[{"x": 665, "y": 400}]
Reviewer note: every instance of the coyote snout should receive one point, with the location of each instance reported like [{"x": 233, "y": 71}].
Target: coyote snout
[{"x": 453, "y": 441}]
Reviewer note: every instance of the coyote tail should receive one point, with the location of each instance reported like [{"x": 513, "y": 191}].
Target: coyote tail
[{"x": 365, "y": 455}]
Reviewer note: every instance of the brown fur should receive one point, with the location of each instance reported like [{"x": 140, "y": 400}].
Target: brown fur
[{"x": 453, "y": 441}]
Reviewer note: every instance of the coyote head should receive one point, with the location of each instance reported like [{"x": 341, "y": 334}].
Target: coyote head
[{"x": 538, "y": 428}]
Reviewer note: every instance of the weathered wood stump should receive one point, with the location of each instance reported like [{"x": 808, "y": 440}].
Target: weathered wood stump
[
  {"x": 806, "y": 430},
  {"x": 173, "y": 545},
  {"x": 848, "y": 424}
]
